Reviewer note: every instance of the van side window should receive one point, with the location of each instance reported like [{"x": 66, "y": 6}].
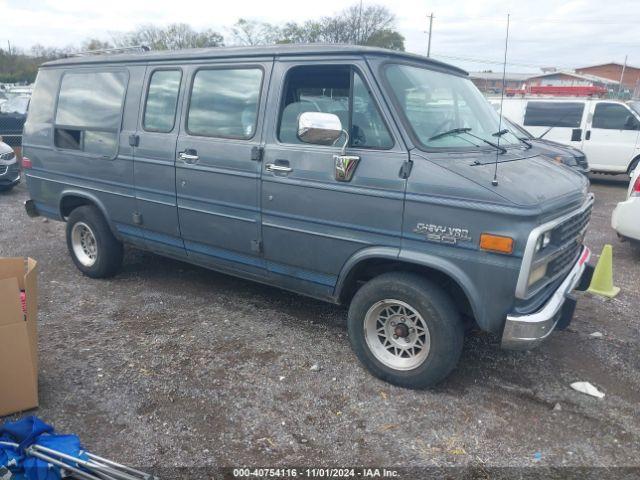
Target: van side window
[
  {"x": 162, "y": 101},
  {"x": 90, "y": 111},
  {"x": 556, "y": 114},
  {"x": 338, "y": 90},
  {"x": 43, "y": 97},
  {"x": 612, "y": 116},
  {"x": 224, "y": 103}
]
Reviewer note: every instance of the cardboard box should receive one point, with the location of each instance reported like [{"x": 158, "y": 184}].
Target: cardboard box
[{"x": 18, "y": 335}]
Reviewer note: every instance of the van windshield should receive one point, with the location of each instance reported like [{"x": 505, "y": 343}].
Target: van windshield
[{"x": 446, "y": 111}]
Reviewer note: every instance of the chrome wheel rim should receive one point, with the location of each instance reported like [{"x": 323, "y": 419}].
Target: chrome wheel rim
[
  {"x": 396, "y": 334},
  {"x": 84, "y": 244}
]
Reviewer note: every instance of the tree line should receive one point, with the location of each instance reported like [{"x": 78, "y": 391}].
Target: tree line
[{"x": 372, "y": 25}]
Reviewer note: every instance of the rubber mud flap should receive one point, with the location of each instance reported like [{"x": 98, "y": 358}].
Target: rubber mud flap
[
  {"x": 585, "y": 279},
  {"x": 566, "y": 313}
]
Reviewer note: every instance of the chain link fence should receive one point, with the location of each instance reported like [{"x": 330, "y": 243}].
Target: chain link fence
[{"x": 13, "y": 114}]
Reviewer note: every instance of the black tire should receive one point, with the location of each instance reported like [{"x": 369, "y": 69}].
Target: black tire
[
  {"x": 108, "y": 250},
  {"x": 445, "y": 327}
]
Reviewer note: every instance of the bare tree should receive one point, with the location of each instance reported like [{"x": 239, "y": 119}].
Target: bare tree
[
  {"x": 370, "y": 25},
  {"x": 173, "y": 37},
  {"x": 96, "y": 44},
  {"x": 252, "y": 32}
]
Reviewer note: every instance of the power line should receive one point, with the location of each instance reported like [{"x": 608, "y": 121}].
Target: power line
[
  {"x": 565, "y": 21},
  {"x": 489, "y": 61}
]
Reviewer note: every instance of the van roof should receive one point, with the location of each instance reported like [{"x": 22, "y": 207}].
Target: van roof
[
  {"x": 284, "y": 50},
  {"x": 557, "y": 99}
]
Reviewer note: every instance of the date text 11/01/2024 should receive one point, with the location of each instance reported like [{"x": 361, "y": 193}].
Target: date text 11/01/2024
[{"x": 314, "y": 473}]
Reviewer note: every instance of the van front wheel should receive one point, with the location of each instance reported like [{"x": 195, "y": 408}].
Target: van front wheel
[
  {"x": 405, "y": 330},
  {"x": 93, "y": 248}
]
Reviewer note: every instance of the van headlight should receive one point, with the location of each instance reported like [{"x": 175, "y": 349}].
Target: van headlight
[
  {"x": 539, "y": 270},
  {"x": 543, "y": 241},
  {"x": 537, "y": 274}
]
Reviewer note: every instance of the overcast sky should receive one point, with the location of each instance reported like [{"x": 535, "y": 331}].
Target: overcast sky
[{"x": 566, "y": 34}]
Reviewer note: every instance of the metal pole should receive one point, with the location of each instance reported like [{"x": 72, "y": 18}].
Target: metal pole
[
  {"x": 430, "y": 28},
  {"x": 358, "y": 39},
  {"x": 624, "y": 67}
]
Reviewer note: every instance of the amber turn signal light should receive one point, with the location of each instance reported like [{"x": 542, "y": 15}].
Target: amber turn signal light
[{"x": 496, "y": 243}]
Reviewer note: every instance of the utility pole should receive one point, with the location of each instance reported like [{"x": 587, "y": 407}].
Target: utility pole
[
  {"x": 624, "y": 67},
  {"x": 430, "y": 28},
  {"x": 358, "y": 40},
  {"x": 9, "y": 47}
]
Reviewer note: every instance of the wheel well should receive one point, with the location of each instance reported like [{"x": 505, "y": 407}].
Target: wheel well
[
  {"x": 71, "y": 202},
  {"x": 636, "y": 160},
  {"x": 368, "y": 269}
]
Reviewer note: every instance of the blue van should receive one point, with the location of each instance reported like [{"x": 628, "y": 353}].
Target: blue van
[{"x": 355, "y": 175}]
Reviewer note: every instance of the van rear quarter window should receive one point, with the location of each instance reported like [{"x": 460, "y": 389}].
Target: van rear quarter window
[
  {"x": 43, "y": 98},
  {"x": 556, "y": 114},
  {"x": 89, "y": 111}
]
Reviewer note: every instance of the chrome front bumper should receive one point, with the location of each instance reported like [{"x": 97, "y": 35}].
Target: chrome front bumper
[{"x": 522, "y": 332}]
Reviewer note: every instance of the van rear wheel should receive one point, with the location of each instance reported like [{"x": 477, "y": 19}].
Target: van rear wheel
[
  {"x": 405, "y": 330},
  {"x": 92, "y": 245}
]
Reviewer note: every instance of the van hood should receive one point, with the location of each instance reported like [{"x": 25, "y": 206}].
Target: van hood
[{"x": 523, "y": 180}]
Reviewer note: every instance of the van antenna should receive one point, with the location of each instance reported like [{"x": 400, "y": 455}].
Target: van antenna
[{"x": 494, "y": 182}]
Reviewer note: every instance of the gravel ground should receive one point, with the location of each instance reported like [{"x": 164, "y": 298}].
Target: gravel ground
[{"x": 171, "y": 365}]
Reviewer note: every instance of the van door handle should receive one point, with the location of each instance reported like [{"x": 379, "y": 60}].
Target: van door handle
[
  {"x": 189, "y": 156},
  {"x": 587, "y": 135},
  {"x": 274, "y": 167}
]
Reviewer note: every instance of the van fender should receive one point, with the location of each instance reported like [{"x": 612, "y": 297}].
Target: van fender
[
  {"x": 90, "y": 198},
  {"x": 387, "y": 253},
  {"x": 451, "y": 270},
  {"x": 440, "y": 264}
]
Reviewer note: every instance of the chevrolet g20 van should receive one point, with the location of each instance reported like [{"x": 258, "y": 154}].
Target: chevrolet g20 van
[{"x": 378, "y": 179}]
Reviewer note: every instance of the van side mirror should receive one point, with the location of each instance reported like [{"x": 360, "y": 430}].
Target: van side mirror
[
  {"x": 319, "y": 128},
  {"x": 631, "y": 123}
]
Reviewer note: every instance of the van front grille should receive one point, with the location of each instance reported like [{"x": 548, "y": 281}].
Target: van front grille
[
  {"x": 568, "y": 237},
  {"x": 568, "y": 257},
  {"x": 572, "y": 228}
]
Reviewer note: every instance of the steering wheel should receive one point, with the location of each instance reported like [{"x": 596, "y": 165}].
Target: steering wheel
[{"x": 357, "y": 136}]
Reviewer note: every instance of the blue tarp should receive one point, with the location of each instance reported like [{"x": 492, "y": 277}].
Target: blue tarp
[{"x": 33, "y": 431}]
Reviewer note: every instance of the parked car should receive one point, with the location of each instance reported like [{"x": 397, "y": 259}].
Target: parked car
[
  {"x": 559, "y": 153},
  {"x": 607, "y": 131},
  {"x": 13, "y": 114},
  {"x": 9, "y": 170},
  {"x": 354, "y": 175},
  {"x": 626, "y": 216}
]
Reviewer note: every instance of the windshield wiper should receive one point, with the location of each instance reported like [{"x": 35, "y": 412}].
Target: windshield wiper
[
  {"x": 506, "y": 130},
  {"x": 488, "y": 142},
  {"x": 453, "y": 131},
  {"x": 467, "y": 130},
  {"x": 526, "y": 142}
]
